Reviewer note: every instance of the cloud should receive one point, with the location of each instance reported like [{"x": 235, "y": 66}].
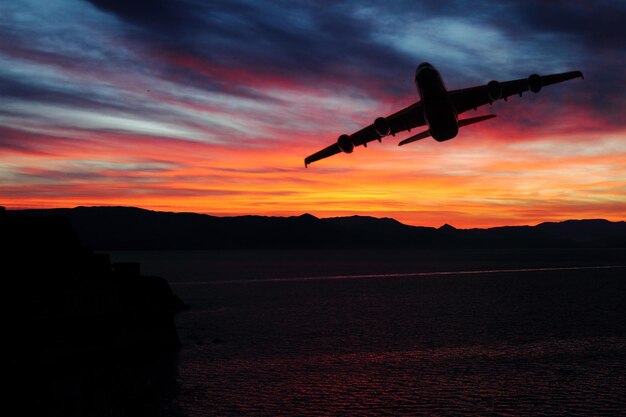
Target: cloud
[
  {"x": 599, "y": 25},
  {"x": 230, "y": 46},
  {"x": 298, "y": 40},
  {"x": 231, "y": 95},
  {"x": 164, "y": 14}
]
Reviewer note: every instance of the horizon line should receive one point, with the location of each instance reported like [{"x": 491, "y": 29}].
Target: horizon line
[{"x": 299, "y": 215}]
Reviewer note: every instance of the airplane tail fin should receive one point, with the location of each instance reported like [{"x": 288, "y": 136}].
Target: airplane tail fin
[{"x": 473, "y": 120}]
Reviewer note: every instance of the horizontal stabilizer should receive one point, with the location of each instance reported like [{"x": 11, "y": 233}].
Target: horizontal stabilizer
[
  {"x": 414, "y": 138},
  {"x": 473, "y": 120},
  {"x": 462, "y": 123}
]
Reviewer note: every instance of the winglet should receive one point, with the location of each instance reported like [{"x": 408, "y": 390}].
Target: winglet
[
  {"x": 324, "y": 153},
  {"x": 577, "y": 74},
  {"x": 557, "y": 78}
]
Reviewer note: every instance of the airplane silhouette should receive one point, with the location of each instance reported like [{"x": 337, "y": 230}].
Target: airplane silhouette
[{"x": 439, "y": 109}]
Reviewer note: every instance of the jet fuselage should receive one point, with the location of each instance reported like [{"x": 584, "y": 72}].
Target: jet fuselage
[
  {"x": 439, "y": 113},
  {"x": 438, "y": 109}
]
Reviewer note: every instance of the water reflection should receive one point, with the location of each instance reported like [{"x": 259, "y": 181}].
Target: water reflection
[{"x": 521, "y": 343}]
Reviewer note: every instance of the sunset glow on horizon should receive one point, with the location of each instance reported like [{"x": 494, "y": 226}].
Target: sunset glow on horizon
[{"x": 212, "y": 107}]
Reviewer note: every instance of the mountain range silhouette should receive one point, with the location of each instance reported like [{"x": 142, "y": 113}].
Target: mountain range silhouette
[{"x": 125, "y": 228}]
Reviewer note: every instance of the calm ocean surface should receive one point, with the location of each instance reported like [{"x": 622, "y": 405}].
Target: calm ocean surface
[{"x": 366, "y": 332}]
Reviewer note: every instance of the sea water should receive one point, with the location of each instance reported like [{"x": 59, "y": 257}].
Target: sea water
[{"x": 366, "y": 332}]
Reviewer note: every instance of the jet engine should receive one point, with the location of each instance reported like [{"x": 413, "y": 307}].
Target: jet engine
[
  {"x": 534, "y": 83},
  {"x": 494, "y": 90},
  {"x": 382, "y": 127},
  {"x": 345, "y": 144}
]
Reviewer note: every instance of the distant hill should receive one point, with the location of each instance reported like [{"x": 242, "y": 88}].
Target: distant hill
[{"x": 117, "y": 228}]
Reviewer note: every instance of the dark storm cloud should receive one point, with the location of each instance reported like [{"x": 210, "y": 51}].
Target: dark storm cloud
[
  {"x": 592, "y": 31},
  {"x": 241, "y": 48},
  {"x": 32, "y": 91},
  {"x": 598, "y": 29},
  {"x": 598, "y": 24},
  {"x": 334, "y": 43},
  {"x": 165, "y": 16},
  {"x": 299, "y": 40},
  {"x": 15, "y": 45},
  {"x": 587, "y": 34}
]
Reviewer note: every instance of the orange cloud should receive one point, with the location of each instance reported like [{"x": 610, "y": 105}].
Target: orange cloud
[{"x": 239, "y": 149}]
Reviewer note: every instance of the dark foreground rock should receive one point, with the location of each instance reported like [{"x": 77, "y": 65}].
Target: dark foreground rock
[{"x": 90, "y": 338}]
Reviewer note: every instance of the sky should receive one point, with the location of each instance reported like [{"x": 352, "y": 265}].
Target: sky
[{"x": 212, "y": 106}]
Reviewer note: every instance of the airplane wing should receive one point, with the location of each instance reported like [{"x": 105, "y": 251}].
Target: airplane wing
[
  {"x": 473, "y": 97},
  {"x": 405, "y": 119},
  {"x": 324, "y": 153}
]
